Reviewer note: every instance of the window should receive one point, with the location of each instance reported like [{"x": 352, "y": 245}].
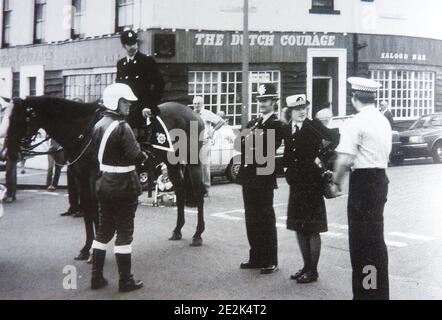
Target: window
[
  {"x": 125, "y": 14},
  {"x": 7, "y": 13},
  {"x": 16, "y": 84},
  {"x": 39, "y": 21},
  {"x": 323, "y": 7},
  {"x": 87, "y": 87},
  {"x": 410, "y": 94},
  {"x": 222, "y": 91},
  {"x": 78, "y": 18},
  {"x": 32, "y": 86}
]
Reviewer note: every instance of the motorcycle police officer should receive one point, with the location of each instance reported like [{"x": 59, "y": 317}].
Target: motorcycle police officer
[
  {"x": 118, "y": 187},
  {"x": 258, "y": 189},
  {"x": 365, "y": 147},
  {"x": 141, "y": 73}
]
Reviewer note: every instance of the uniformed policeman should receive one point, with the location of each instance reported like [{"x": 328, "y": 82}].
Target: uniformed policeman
[
  {"x": 365, "y": 147},
  {"x": 258, "y": 189},
  {"x": 141, "y": 73},
  {"x": 118, "y": 186}
]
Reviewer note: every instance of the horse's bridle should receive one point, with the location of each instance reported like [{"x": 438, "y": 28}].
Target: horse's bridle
[{"x": 30, "y": 115}]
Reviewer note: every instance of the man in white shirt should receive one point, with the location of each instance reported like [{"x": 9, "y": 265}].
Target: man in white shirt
[
  {"x": 212, "y": 123},
  {"x": 365, "y": 147}
]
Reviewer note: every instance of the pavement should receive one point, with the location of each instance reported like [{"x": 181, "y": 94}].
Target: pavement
[{"x": 37, "y": 247}]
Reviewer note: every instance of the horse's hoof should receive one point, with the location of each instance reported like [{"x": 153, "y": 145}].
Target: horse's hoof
[
  {"x": 83, "y": 256},
  {"x": 176, "y": 236},
  {"x": 197, "y": 242}
]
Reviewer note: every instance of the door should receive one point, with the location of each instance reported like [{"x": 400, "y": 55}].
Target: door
[{"x": 322, "y": 93}]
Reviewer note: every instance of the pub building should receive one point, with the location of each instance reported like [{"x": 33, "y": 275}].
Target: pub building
[{"x": 206, "y": 61}]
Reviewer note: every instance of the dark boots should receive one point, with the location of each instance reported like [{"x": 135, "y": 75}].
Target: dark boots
[
  {"x": 98, "y": 281},
  {"x": 127, "y": 282}
]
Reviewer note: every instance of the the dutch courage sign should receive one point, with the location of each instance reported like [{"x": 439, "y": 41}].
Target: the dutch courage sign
[{"x": 266, "y": 39}]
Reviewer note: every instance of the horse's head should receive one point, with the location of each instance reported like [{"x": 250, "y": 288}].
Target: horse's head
[{"x": 23, "y": 127}]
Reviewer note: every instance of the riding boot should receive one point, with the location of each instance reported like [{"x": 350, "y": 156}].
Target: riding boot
[
  {"x": 127, "y": 282},
  {"x": 98, "y": 281}
]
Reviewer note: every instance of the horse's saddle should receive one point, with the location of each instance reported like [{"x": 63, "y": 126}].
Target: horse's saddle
[{"x": 160, "y": 137}]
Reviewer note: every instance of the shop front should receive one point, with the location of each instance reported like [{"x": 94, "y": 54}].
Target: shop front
[{"x": 208, "y": 63}]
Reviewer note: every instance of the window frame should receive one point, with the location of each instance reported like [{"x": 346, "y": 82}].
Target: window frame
[
  {"x": 87, "y": 85},
  {"x": 39, "y": 4},
  {"x": 128, "y": 3},
  {"x": 77, "y": 20},
  {"x": 409, "y": 93},
  {"x": 224, "y": 94},
  {"x": 330, "y": 9},
  {"x": 6, "y": 29}
]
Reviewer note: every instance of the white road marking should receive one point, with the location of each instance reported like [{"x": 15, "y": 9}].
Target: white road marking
[
  {"x": 395, "y": 244},
  {"x": 336, "y": 235},
  {"x": 227, "y": 217},
  {"x": 411, "y": 236},
  {"x": 338, "y": 226},
  {"x": 281, "y": 225}
]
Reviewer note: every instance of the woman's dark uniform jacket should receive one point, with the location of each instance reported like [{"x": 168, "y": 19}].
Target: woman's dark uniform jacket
[
  {"x": 143, "y": 76},
  {"x": 307, "y": 212},
  {"x": 121, "y": 150}
]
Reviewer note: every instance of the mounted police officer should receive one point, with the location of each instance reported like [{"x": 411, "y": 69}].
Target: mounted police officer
[
  {"x": 118, "y": 187},
  {"x": 365, "y": 147},
  {"x": 141, "y": 73},
  {"x": 258, "y": 188}
]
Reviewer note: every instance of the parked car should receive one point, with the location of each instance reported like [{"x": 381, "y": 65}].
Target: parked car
[
  {"x": 422, "y": 139},
  {"x": 396, "y": 152}
]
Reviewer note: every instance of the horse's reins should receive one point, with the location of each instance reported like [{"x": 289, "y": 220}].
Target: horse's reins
[{"x": 30, "y": 151}]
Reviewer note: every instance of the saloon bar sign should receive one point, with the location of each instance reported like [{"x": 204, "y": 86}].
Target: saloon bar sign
[{"x": 259, "y": 39}]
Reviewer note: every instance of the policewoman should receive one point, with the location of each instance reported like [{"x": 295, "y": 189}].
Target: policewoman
[
  {"x": 366, "y": 143},
  {"x": 258, "y": 189},
  {"x": 141, "y": 73},
  {"x": 118, "y": 186},
  {"x": 306, "y": 211}
]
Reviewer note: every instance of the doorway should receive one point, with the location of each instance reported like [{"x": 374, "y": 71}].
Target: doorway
[
  {"x": 327, "y": 80},
  {"x": 322, "y": 94}
]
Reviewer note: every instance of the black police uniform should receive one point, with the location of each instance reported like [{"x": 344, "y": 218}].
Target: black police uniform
[
  {"x": 258, "y": 193},
  {"x": 143, "y": 76},
  {"x": 307, "y": 211}
]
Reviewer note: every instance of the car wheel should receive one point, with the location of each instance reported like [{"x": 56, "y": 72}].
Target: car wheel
[
  {"x": 397, "y": 161},
  {"x": 232, "y": 172},
  {"x": 437, "y": 152}
]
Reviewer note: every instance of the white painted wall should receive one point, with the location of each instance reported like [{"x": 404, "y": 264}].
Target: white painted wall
[
  {"x": 31, "y": 71},
  {"x": 22, "y": 21},
  {"x": 396, "y": 17},
  {"x": 58, "y": 18}
]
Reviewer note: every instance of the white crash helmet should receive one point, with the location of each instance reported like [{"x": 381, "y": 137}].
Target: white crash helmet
[{"x": 113, "y": 93}]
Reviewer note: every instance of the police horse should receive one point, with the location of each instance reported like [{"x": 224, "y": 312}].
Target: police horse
[{"x": 71, "y": 124}]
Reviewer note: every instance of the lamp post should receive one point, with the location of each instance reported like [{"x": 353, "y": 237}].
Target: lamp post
[{"x": 245, "y": 67}]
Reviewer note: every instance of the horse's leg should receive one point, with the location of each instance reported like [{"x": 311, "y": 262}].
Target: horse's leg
[
  {"x": 197, "y": 240},
  {"x": 197, "y": 185},
  {"x": 177, "y": 179},
  {"x": 89, "y": 216}
]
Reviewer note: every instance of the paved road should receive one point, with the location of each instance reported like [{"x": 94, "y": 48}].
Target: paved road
[{"x": 36, "y": 245}]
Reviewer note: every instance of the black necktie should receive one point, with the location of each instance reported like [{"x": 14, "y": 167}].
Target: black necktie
[{"x": 295, "y": 129}]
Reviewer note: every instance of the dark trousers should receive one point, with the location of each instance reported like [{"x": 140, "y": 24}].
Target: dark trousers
[
  {"x": 261, "y": 225},
  {"x": 116, "y": 215},
  {"x": 11, "y": 177},
  {"x": 55, "y": 163},
  {"x": 74, "y": 194},
  {"x": 368, "y": 251}
]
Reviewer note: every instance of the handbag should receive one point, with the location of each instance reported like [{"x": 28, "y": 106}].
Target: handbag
[{"x": 327, "y": 177}]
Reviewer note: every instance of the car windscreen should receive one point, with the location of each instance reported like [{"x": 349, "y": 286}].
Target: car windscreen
[{"x": 424, "y": 122}]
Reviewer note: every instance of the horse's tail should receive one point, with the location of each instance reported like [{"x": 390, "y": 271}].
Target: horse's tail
[{"x": 194, "y": 186}]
